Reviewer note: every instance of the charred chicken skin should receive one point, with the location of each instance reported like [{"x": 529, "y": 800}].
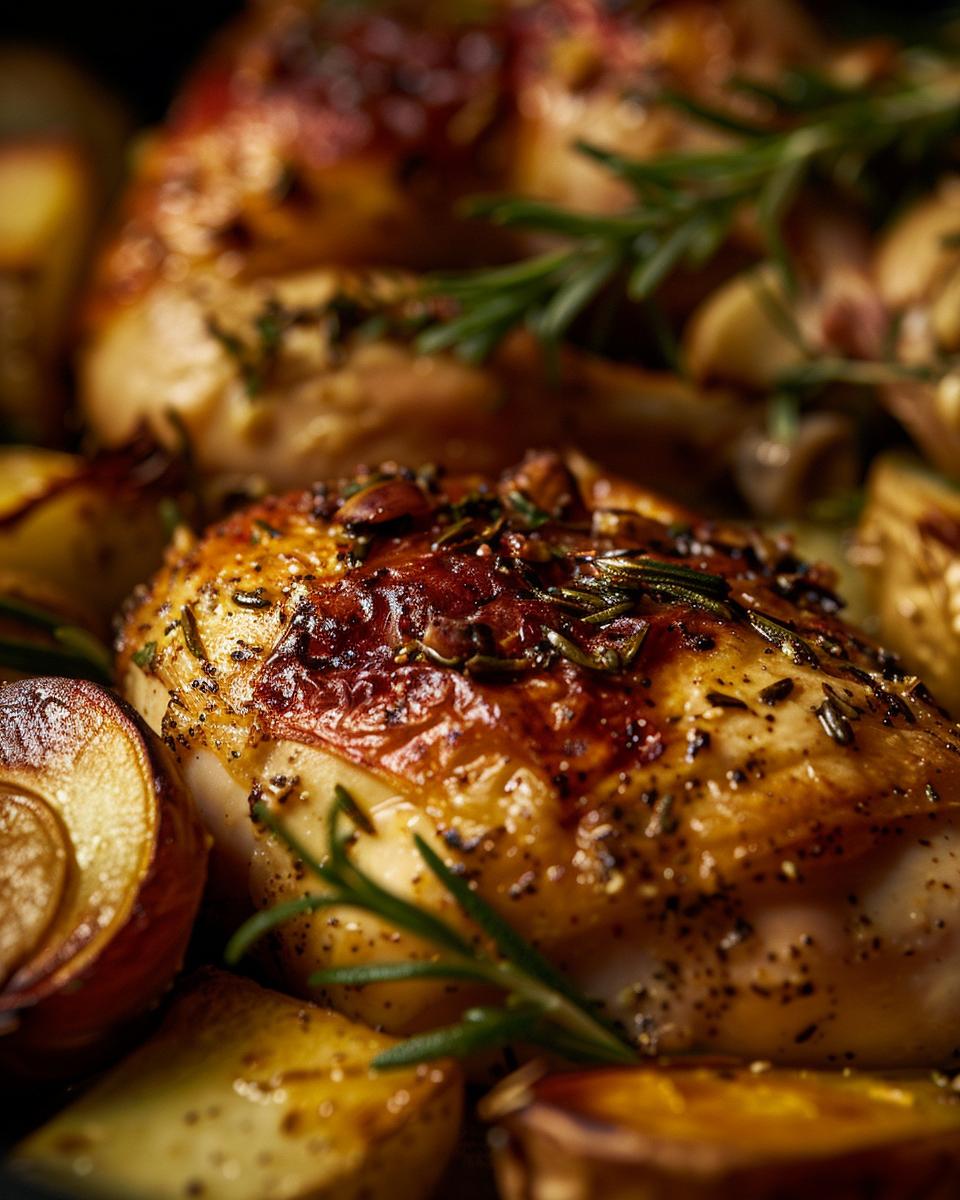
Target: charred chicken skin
[{"x": 648, "y": 739}]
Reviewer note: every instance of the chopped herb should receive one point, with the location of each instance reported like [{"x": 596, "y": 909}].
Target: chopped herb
[
  {"x": 606, "y": 660},
  {"x": 253, "y": 599},
  {"x": 532, "y": 516},
  {"x": 834, "y": 723},
  {"x": 850, "y": 711},
  {"x": 722, "y": 700},
  {"x": 541, "y": 1007},
  {"x": 191, "y": 634},
  {"x": 784, "y": 638},
  {"x": 267, "y": 528},
  {"x": 146, "y": 657},
  {"x": 774, "y": 692}
]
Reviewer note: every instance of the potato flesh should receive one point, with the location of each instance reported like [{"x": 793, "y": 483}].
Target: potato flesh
[
  {"x": 103, "y": 863},
  {"x": 94, "y": 781},
  {"x": 245, "y": 1094},
  {"x": 32, "y": 876},
  {"x": 46, "y": 218}
]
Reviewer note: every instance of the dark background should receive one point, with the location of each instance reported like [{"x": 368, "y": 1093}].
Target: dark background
[{"x": 143, "y": 50}]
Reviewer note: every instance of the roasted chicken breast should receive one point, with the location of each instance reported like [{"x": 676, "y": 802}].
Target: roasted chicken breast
[
  {"x": 319, "y": 141},
  {"x": 647, "y": 739}
]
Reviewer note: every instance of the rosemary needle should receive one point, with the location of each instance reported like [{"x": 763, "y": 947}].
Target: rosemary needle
[
  {"x": 75, "y": 652},
  {"x": 541, "y": 1005},
  {"x": 686, "y": 202}
]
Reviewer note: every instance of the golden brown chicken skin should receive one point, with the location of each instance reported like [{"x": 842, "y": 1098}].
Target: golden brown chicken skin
[
  {"x": 319, "y": 148},
  {"x": 647, "y": 739},
  {"x": 321, "y": 134}
]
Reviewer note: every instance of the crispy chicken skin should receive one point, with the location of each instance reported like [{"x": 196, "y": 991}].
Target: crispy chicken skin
[
  {"x": 319, "y": 140},
  {"x": 723, "y": 811},
  {"x": 322, "y": 134}
]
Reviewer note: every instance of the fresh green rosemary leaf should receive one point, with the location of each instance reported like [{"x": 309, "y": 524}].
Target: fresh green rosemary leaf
[
  {"x": 480, "y": 1029},
  {"x": 31, "y": 614},
  {"x": 28, "y": 658},
  {"x": 82, "y": 643},
  {"x": 262, "y": 923},
  {"x": 78, "y": 654},
  {"x": 363, "y": 974},
  {"x": 510, "y": 944},
  {"x": 540, "y": 1003},
  {"x": 531, "y": 514}
]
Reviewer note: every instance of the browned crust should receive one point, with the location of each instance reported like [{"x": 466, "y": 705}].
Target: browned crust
[{"x": 64, "y": 1013}]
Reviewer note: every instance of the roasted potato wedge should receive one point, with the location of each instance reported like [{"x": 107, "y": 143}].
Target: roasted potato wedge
[
  {"x": 908, "y": 547},
  {"x": 78, "y": 526},
  {"x": 245, "y": 1094},
  {"x": 714, "y": 1132},
  {"x": 44, "y": 95},
  {"x": 61, "y": 152},
  {"x": 102, "y": 865},
  {"x": 47, "y": 207}
]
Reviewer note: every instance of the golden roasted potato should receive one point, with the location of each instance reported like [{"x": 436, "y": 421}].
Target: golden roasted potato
[
  {"x": 245, "y": 1094},
  {"x": 61, "y": 151},
  {"x": 47, "y": 208},
  {"x": 44, "y": 95},
  {"x": 87, "y": 529},
  {"x": 908, "y": 546},
  {"x": 692, "y": 1131},
  {"x": 102, "y": 864}
]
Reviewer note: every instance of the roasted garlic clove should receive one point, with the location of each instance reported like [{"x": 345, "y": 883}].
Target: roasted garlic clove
[
  {"x": 918, "y": 254},
  {"x": 713, "y": 1131},
  {"x": 782, "y": 476},
  {"x": 245, "y": 1094},
  {"x": 738, "y": 334},
  {"x": 908, "y": 547},
  {"x": 102, "y": 863}
]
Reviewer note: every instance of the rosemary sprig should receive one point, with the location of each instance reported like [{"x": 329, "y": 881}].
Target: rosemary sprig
[
  {"x": 75, "y": 652},
  {"x": 686, "y": 202},
  {"x": 541, "y": 1006}
]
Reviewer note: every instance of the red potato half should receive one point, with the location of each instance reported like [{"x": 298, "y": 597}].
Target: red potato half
[
  {"x": 710, "y": 1131},
  {"x": 102, "y": 865}
]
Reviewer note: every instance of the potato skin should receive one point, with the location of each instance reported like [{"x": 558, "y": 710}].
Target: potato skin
[
  {"x": 87, "y": 529},
  {"x": 715, "y": 1131},
  {"x": 66, "y": 1003},
  {"x": 245, "y": 1094}
]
